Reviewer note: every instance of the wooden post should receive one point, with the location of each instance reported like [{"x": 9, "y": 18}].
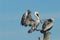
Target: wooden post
[
  {"x": 46, "y": 36},
  {"x": 40, "y": 38}
]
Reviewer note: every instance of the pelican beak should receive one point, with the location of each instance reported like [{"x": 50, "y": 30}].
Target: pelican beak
[{"x": 41, "y": 21}]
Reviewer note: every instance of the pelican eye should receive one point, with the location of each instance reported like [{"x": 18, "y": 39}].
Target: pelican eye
[
  {"x": 37, "y": 15},
  {"x": 50, "y": 20}
]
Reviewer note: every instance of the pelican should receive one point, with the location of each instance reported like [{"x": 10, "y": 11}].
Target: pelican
[
  {"x": 27, "y": 20},
  {"x": 47, "y": 25},
  {"x": 36, "y": 23}
]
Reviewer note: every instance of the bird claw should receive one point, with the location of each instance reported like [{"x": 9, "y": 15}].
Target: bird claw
[{"x": 30, "y": 31}]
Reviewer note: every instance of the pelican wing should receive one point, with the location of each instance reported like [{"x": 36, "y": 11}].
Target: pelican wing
[
  {"x": 47, "y": 25},
  {"x": 27, "y": 19},
  {"x": 33, "y": 28},
  {"x": 23, "y": 19}
]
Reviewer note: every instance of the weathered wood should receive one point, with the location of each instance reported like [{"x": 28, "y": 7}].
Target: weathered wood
[
  {"x": 46, "y": 36},
  {"x": 40, "y": 38}
]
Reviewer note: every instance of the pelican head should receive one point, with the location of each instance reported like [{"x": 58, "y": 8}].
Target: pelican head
[
  {"x": 28, "y": 12},
  {"x": 36, "y": 14},
  {"x": 51, "y": 19}
]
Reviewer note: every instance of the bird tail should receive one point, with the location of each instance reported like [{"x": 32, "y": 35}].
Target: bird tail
[
  {"x": 30, "y": 31},
  {"x": 37, "y": 29},
  {"x": 42, "y": 31}
]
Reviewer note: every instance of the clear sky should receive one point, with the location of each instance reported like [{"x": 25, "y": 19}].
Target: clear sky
[{"x": 11, "y": 12}]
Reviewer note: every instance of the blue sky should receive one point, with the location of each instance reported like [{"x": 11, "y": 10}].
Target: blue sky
[{"x": 11, "y": 12}]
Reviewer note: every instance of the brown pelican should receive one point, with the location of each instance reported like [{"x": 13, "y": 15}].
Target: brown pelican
[
  {"x": 35, "y": 24},
  {"x": 47, "y": 25},
  {"x": 28, "y": 21}
]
